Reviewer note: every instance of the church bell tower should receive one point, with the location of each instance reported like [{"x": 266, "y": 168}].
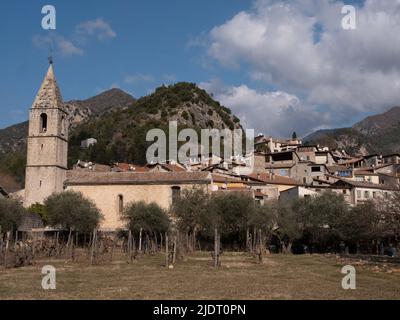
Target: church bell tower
[{"x": 47, "y": 142}]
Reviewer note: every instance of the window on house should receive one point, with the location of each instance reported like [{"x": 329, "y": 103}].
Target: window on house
[
  {"x": 176, "y": 193},
  {"x": 315, "y": 169},
  {"x": 374, "y": 195},
  {"x": 43, "y": 122},
  {"x": 366, "y": 194},
  {"x": 359, "y": 194},
  {"x": 120, "y": 203},
  {"x": 344, "y": 191}
]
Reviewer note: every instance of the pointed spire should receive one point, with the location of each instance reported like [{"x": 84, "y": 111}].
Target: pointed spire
[{"x": 49, "y": 95}]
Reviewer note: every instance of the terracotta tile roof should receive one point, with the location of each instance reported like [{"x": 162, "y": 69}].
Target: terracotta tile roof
[
  {"x": 225, "y": 179},
  {"x": 351, "y": 161},
  {"x": 173, "y": 167},
  {"x": 337, "y": 168},
  {"x": 362, "y": 184},
  {"x": 364, "y": 173},
  {"x": 119, "y": 178},
  {"x": 279, "y": 165},
  {"x": 273, "y": 179},
  {"x": 130, "y": 167}
]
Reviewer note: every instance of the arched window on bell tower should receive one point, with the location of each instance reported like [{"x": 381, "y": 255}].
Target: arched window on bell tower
[{"x": 43, "y": 122}]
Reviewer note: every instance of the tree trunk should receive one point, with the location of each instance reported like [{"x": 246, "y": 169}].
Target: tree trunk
[
  {"x": 57, "y": 237},
  {"x": 260, "y": 247},
  {"x": 174, "y": 253},
  {"x": 155, "y": 242},
  {"x": 94, "y": 239},
  {"x": 6, "y": 249},
  {"x": 254, "y": 242},
  {"x": 113, "y": 247},
  {"x": 216, "y": 248},
  {"x": 129, "y": 244},
  {"x": 248, "y": 240},
  {"x": 166, "y": 250},
  {"x": 140, "y": 240},
  {"x": 67, "y": 253}
]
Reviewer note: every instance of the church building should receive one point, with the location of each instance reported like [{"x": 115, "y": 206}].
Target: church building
[{"x": 47, "y": 171}]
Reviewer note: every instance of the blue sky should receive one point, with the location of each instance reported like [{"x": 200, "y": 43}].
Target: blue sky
[
  {"x": 282, "y": 66},
  {"x": 152, "y": 40}
]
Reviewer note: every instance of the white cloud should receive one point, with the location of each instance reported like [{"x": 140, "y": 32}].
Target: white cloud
[
  {"x": 345, "y": 72},
  {"x": 276, "y": 112},
  {"x": 62, "y": 45},
  {"x": 98, "y": 28}
]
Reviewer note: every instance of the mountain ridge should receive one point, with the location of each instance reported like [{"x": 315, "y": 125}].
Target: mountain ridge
[{"x": 378, "y": 133}]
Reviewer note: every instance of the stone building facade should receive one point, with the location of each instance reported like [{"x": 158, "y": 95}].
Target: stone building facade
[{"x": 47, "y": 143}]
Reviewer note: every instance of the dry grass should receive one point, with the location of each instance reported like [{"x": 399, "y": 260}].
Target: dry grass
[{"x": 240, "y": 277}]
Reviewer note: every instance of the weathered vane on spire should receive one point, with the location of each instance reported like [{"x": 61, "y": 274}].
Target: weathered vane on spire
[{"x": 51, "y": 61}]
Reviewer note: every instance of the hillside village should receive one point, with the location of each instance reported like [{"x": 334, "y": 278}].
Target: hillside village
[
  {"x": 287, "y": 170},
  {"x": 281, "y": 169}
]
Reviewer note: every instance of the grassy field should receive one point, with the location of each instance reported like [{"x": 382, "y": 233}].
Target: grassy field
[{"x": 239, "y": 277}]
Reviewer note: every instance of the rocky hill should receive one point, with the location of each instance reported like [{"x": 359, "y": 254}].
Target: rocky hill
[
  {"x": 375, "y": 134},
  {"x": 121, "y": 134},
  {"x": 120, "y": 124}
]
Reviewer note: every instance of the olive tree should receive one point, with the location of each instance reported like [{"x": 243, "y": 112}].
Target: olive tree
[
  {"x": 322, "y": 216},
  {"x": 11, "y": 214},
  {"x": 71, "y": 211},
  {"x": 288, "y": 219},
  {"x": 189, "y": 209},
  {"x": 227, "y": 214},
  {"x": 147, "y": 219}
]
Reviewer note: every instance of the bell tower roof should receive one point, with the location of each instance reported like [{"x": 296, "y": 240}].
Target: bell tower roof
[{"x": 49, "y": 95}]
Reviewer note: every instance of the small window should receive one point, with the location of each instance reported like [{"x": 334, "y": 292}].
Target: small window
[
  {"x": 63, "y": 125},
  {"x": 43, "y": 122},
  {"x": 344, "y": 191},
  {"x": 120, "y": 204},
  {"x": 176, "y": 193},
  {"x": 366, "y": 194},
  {"x": 374, "y": 195},
  {"x": 359, "y": 194},
  {"x": 315, "y": 169}
]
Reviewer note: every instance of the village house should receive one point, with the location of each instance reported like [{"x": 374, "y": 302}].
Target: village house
[
  {"x": 391, "y": 158},
  {"x": 297, "y": 192},
  {"x": 356, "y": 192}
]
